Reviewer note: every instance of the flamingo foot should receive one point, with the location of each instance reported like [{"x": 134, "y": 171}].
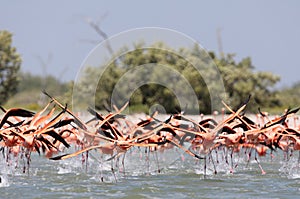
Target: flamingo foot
[{"x": 182, "y": 158}]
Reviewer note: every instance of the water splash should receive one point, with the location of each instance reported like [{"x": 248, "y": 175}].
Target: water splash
[
  {"x": 4, "y": 182},
  {"x": 291, "y": 168}
]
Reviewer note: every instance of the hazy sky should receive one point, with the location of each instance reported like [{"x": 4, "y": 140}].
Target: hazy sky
[{"x": 55, "y": 32}]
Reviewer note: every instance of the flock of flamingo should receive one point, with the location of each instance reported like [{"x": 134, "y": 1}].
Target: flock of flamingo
[{"x": 55, "y": 128}]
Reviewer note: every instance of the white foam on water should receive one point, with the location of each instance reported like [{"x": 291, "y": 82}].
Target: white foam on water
[
  {"x": 291, "y": 168},
  {"x": 70, "y": 164},
  {"x": 4, "y": 182},
  {"x": 294, "y": 176},
  {"x": 201, "y": 172},
  {"x": 64, "y": 170}
]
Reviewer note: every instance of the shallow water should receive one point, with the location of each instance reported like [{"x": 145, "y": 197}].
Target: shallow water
[{"x": 180, "y": 177}]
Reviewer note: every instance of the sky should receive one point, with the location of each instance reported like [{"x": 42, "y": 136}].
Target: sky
[{"x": 54, "y": 38}]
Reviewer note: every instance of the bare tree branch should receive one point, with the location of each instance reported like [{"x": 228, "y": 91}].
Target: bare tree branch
[{"x": 94, "y": 25}]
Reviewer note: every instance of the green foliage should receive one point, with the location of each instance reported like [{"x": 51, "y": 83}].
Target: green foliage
[
  {"x": 289, "y": 97},
  {"x": 29, "y": 93},
  {"x": 10, "y": 62},
  {"x": 240, "y": 81},
  {"x": 149, "y": 76},
  {"x": 168, "y": 72}
]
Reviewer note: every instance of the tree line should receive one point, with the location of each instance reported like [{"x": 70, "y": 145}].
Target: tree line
[
  {"x": 239, "y": 79},
  {"x": 164, "y": 83}
]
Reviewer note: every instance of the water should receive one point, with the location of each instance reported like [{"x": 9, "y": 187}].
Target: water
[{"x": 180, "y": 176}]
